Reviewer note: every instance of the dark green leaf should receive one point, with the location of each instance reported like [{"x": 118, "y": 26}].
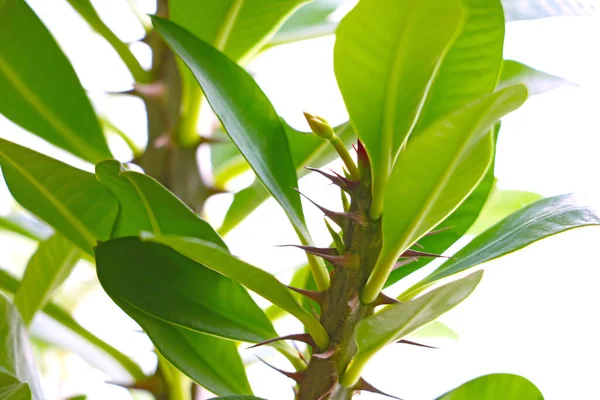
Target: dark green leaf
[
  {"x": 40, "y": 90},
  {"x": 537, "y": 82},
  {"x": 307, "y": 150},
  {"x": 70, "y": 200},
  {"x": 539, "y": 220},
  {"x": 47, "y": 269},
  {"x": 532, "y": 9},
  {"x": 148, "y": 206},
  {"x": 246, "y": 113},
  {"x": 17, "y": 364},
  {"x": 378, "y": 44},
  {"x": 144, "y": 275},
  {"x": 310, "y": 21},
  {"x": 79, "y": 340},
  {"x": 495, "y": 387},
  {"x": 398, "y": 320},
  {"x": 435, "y": 174},
  {"x": 471, "y": 68},
  {"x": 253, "y": 278}
]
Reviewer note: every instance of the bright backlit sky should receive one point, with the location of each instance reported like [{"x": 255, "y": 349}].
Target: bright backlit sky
[{"x": 535, "y": 312}]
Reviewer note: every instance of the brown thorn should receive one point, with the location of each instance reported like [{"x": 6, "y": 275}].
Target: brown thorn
[
  {"x": 318, "y": 297},
  {"x": 384, "y": 299},
  {"x": 327, "y": 392},
  {"x": 419, "y": 245},
  {"x": 367, "y": 387},
  {"x": 404, "y": 341},
  {"x": 297, "y": 376},
  {"x": 152, "y": 90},
  {"x": 438, "y": 231},
  {"x": 340, "y": 218},
  {"x": 300, "y": 337},
  {"x": 415, "y": 253},
  {"x": 317, "y": 251},
  {"x": 337, "y": 179},
  {"x": 326, "y": 354},
  {"x": 402, "y": 263}
]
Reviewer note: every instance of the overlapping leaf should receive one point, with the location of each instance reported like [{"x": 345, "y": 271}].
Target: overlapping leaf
[
  {"x": 495, "y": 387},
  {"x": 72, "y": 201},
  {"x": 378, "y": 45},
  {"x": 40, "y": 90},
  {"x": 514, "y": 72}
]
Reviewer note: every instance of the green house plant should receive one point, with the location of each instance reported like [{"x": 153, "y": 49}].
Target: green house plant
[{"x": 424, "y": 84}]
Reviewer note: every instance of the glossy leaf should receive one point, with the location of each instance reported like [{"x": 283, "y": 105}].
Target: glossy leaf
[
  {"x": 471, "y": 68},
  {"x": 495, "y": 387},
  {"x": 76, "y": 338},
  {"x": 255, "y": 279},
  {"x": 307, "y": 150},
  {"x": 399, "y": 320},
  {"x": 378, "y": 44},
  {"x": 17, "y": 364},
  {"x": 147, "y": 206},
  {"x": 40, "y": 90},
  {"x": 24, "y": 225},
  {"x": 501, "y": 204},
  {"x": 47, "y": 269},
  {"x": 310, "y": 21},
  {"x": 143, "y": 275},
  {"x": 537, "y": 82},
  {"x": 235, "y": 27},
  {"x": 435, "y": 174},
  {"x": 70, "y": 200},
  {"x": 246, "y": 113},
  {"x": 532, "y": 9},
  {"x": 539, "y": 220},
  {"x": 211, "y": 361}
]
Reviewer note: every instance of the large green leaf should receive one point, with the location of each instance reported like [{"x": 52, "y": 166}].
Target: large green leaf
[
  {"x": 155, "y": 280},
  {"x": 539, "y": 220},
  {"x": 78, "y": 339},
  {"x": 40, "y": 90},
  {"x": 253, "y": 278},
  {"x": 148, "y": 206},
  {"x": 398, "y": 320},
  {"x": 435, "y": 174},
  {"x": 246, "y": 113},
  {"x": 310, "y": 21},
  {"x": 47, "y": 269},
  {"x": 501, "y": 204},
  {"x": 532, "y": 9},
  {"x": 471, "y": 68},
  {"x": 17, "y": 364},
  {"x": 495, "y": 387},
  {"x": 307, "y": 150},
  {"x": 70, "y": 200},
  {"x": 378, "y": 45},
  {"x": 537, "y": 82},
  {"x": 211, "y": 361}
]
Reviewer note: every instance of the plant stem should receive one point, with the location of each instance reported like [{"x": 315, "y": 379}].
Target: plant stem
[
  {"x": 87, "y": 11},
  {"x": 180, "y": 386}
]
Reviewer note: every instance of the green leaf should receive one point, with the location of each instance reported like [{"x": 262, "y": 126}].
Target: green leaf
[
  {"x": 537, "y": 82},
  {"x": 40, "y": 90},
  {"x": 246, "y": 113},
  {"x": 378, "y": 44},
  {"x": 17, "y": 361},
  {"x": 434, "y": 330},
  {"x": 537, "y": 221},
  {"x": 454, "y": 226},
  {"x": 144, "y": 275},
  {"x": 238, "y": 398},
  {"x": 79, "y": 340},
  {"x": 13, "y": 389},
  {"x": 235, "y": 27},
  {"x": 471, "y": 68},
  {"x": 495, "y": 387},
  {"x": 147, "y": 206},
  {"x": 516, "y": 10},
  {"x": 70, "y": 200},
  {"x": 24, "y": 225},
  {"x": 310, "y": 21},
  {"x": 501, "y": 204},
  {"x": 255, "y": 279},
  {"x": 307, "y": 150},
  {"x": 399, "y": 320},
  {"x": 47, "y": 269},
  {"x": 435, "y": 174},
  {"x": 212, "y": 362}
]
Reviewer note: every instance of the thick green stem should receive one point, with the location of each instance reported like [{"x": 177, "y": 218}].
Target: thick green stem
[{"x": 179, "y": 385}]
